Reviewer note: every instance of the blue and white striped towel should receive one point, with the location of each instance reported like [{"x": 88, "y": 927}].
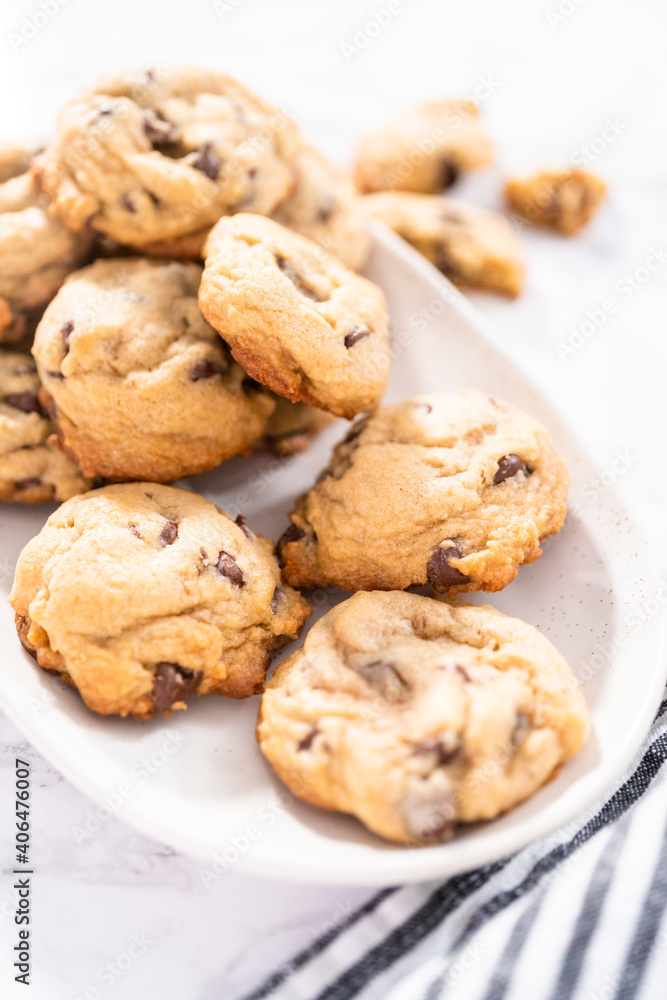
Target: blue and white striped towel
[{"x": 578, "y": 915}]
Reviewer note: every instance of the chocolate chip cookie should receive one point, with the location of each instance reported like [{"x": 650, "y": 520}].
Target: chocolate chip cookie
[
  {"x": 36, "y": 251},
  {"x": 452, "y": 489},
  {"x": 424, "y": 149},
  {"x": 141, "y": 595},
  {"x": 564, "y": 200},
  {"x": 30, "y": 470},
  {"x": 324, "y": 207},
  {"x": 139, "y": 385},
  {"x": 473, "y": 247},
  {"x": 416, "y": 715},
  {"x": 161, "y": 155},
  {"x": 295, "y": 317}
]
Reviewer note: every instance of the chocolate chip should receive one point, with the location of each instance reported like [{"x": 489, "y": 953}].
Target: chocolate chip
[
  {"x": 385, "y": 679},
  {"x": 290, "y": 272},
  {"x": 429, "y": 813},
  {"x": 508, "y": 466},
  {"x": 291, "y": 534},
  {"x": 449, "y": 173},
  {"x": 159, "y": 131},
  {"x": 443, "y": 750},
  {"x": 55, "y": 375},
  {"x": 440, "y": 574},
  {"x": 208, "y": 161},
  {"x": 326, "y": 208},
  {"x": 127, "y": 203},
  {"x": 26, "y": 484},
  {"x": 134, "y": 531},
  {"x": 169, "y": 533},
  {"x": 240, "y": 520},
  {"x": 424, "y": 406},
  {"x": 173, "y": 683},
  {"x": 154, "y": 198},
  {"x": 521, "y": 729},
  {"x": 307, "y": 741},
  {"x": 204, "y": 554},
  {"x": 106, "y": 109},
  {"x": 463, "y": 673},
  {"x": 357, "y": 333},
  {"x": 277, "y": 599},
  {"x": 447, "y": 264},
  {"x": 229, "y": 567},
  {"x": 66, "y": 331},
  {"x": 205, "y": 369},
  {"x": 27, "y": 402}
]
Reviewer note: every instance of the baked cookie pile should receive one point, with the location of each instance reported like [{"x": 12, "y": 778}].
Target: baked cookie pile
[{"x": 184, "y": 268}]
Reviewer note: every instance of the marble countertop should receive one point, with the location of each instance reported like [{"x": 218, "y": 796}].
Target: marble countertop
[{"x": 559, "y": 81}]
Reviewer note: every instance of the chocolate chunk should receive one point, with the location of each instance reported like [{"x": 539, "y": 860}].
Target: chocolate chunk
[
  {"x": 440, "y": 574},
  {"x": 26, "y": 484},
  {"x": 444, "y": 750},
  {"x": 66, "y": 331},
  {"x": 27, "y": 402},
  {"x": 159, "y": 131},
  {"x": 307, "y": 741},
  {"x": 229, "y": 567},
  {"x": 508, "y": 466},
  {"x": 357, "y": 333},
  {"x": 385, "y": 679},
  {"x": 449, "y": 173},
  {"x": 277, "y": 599},
  {"x": 429, "y": 813},
  {"x": 291, "y": 534},
  {"x": 173, "y": 683},
  {"x": 127, "y": 203},
  {"x": 521, "y": 729},
  {"x": 326, "y": 208},
  {"x": 240, "y": 520},
  {"x": 291, "y": 272},
  {"x": 208, "y": 161},
  {"x": 205, "y": 369},
  {"x": 169, "y": 533}
]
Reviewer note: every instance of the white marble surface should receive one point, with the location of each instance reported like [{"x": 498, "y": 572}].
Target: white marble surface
[{"x": 550, "y": 82}]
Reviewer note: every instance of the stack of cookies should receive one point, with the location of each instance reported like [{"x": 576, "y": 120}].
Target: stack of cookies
[{"x": 195, "y": 297}]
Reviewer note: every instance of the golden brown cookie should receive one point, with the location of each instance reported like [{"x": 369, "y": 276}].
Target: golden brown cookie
[
  {"x": 416, "y": 715},
  {"x": 30, "y": 470},
  {"x": 295, "y": 318},
  {"x": 473, "y": 247},
  {"x": 139, "y": 385},
  {"x": 424, "y": 149},
  {"x": 564, "y": 200},
  {"x": 141, "y": 595},
  {"x": 454, "y": 489},
  {"x": 36, "y": 251},
  {"x": 155, "y": 158}
]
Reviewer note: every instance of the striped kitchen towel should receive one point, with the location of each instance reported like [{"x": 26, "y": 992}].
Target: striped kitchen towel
[{"x": 578, "y": 915}]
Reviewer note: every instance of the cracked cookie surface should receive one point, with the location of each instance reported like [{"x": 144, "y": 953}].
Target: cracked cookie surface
[
  {"x": 30, "y": 470},
  {"x": 295, "y": 317},
  {"x": 159, "y": 156},
  {"x": 452, "y": 489},
  {"x": 473, "y": 247},
  {"x": 140, "y": 386},
  {"x": 415, "y": 714},
  {"x": 424, "y": 149},
  {"x": 141, "y": 595},
  {"x": 36, "y": 251}
]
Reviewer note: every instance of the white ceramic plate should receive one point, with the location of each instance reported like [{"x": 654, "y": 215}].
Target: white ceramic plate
[{"x": 198, "y": 782}]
